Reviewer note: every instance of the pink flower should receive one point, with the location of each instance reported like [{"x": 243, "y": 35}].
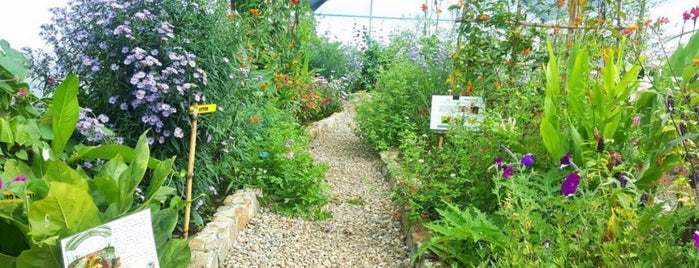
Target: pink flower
[
  {"x": 696, "y": 238},
  {"x": 686, "y": 15},
  {"x": 20, "y": 178},
  {"x": 636, "y": 120},
  {"x": 22, "y": 93},
  {"x": 51, "y": 80},
  {"x": 326, "y": 101}
]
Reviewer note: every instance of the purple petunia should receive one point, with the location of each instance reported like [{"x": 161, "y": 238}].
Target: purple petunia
[
  {"x": 696, "y": 238},
  {"x": 508, "y": 172},
  {"x": 565, "y": 160},
  {"x": 498, "y": 162},
  {"x": 528, "y": 160},
  {"x": 570, "y": 184}
]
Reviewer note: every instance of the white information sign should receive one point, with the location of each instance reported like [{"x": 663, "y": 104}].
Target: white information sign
[
  {"x": 448, "y": 110},
  {"x": 125, "y": 242}
]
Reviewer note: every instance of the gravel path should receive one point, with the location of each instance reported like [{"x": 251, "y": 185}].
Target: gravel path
[{"x": 361, "y": 233}]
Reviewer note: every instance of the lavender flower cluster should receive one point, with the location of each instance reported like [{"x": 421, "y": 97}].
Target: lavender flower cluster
[
  {"x": 132, "y": 48},
  {"x": 91, "y": 127}
]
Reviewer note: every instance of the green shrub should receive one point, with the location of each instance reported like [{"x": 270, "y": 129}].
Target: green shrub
[{"x": 274, "y": 158}]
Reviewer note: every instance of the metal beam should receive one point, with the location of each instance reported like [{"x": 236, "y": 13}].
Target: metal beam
[{"x": 315, "y": 4}]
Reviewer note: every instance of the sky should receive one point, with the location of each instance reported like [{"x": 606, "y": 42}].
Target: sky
[{"x": 20, "y": 20}]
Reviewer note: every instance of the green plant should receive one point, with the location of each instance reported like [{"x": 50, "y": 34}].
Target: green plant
[
  {"x": 58, "y": 200},
  {"x": 274, "y": 158},
  {"x": 603, "y": 222}
]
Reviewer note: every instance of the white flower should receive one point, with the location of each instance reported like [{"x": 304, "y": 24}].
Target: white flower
[{"x": 178, "y": 133}]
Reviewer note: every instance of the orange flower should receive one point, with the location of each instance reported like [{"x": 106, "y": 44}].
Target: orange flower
[
  {"x": 254, "y": 120},
  {"x": 484, "y": 17},
  {"x": 263, "y": 85},
  {"x": 629, "y": 30},
  {"x": 526, "y": 51},
  {"x": 424, "y": 7},
  {"x": 556, "y": 30},
  {"x": 648, "y": 21},
  {"x": 561, "y": 3},
  {"x": 497, "y": 84},
  {"x": 439, "y": 11},
  {"x": 578, "y": 19},
  {"x": 255, "y": 12},
  {"x": 695, "y": 62}
]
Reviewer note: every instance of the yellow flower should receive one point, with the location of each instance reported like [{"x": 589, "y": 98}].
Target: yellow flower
[{"x": 695, "y": 62}]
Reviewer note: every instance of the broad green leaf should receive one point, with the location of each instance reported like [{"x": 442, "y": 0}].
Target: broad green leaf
[
  {"x": 25, "y": 131},
  {"x": 13, "y": 61},
  {"x": 552, "y": 139},
  {"x": 58, "y": 171},
  {"x": 65, "y": 211},
  {"x": 6, "y": 134},
  {"x": 108, "y": 152},
  {"x": 7, "y": 261},
  {"x": 47, "y": 256},
  {"x": 160, "y": 174},
  {"x": 132, "y": 176},
  {"x": 175, "y": 253},
  {"x": 65, "y": 112},
  {"x": 164, "y": 223},
  {"x": 113, "y": 168},
  {"x": 13, "y": 239}
]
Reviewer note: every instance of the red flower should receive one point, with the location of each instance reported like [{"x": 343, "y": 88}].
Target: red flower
[
  {"x": 686, "y": 15},
  {"x": 424, "y": 7},
  {"x": 294, "y": 2},
  {"x": 695, "y": 13}
]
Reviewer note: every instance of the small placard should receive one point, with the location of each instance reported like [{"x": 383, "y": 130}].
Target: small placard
[
  {"x": 203, "y": 108},
  {"x": 447, "y": 110},
  {"x": 125, "y": 242},
  {"x": 10, "y": 197}
]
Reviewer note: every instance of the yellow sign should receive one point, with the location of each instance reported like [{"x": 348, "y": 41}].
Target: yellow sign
[
  {"x": 10, "y": 197},
  {"x": 204, "y": 108}
]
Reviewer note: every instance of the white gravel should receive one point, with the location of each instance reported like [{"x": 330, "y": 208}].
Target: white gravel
[{"x": 361, "y": 233}]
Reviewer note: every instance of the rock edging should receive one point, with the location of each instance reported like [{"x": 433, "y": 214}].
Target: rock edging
[
  {"x": 210, "y": 246},
  {"x": 415, "y": 234}
]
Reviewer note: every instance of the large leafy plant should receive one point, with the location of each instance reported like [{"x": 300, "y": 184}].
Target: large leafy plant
[{"x": 57, "y": 199}]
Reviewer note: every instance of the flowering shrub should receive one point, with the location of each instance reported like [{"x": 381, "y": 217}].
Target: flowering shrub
[
  {"x": 590, "y": 218},
  {"x": 136, "y": 69}
]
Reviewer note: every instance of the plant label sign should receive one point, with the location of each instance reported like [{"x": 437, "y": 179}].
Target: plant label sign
[
  {"x": 203, "y": 108},
  {"x": 125, "y": 242},
  {"x": 448, "y": 110}
]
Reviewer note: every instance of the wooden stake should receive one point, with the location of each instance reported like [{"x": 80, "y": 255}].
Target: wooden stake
[
  {"x": 190, "y": 171},
  {"x": 441, "y": 140}
]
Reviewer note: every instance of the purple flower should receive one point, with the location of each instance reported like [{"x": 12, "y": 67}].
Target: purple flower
[
  {"x": 498, "y": 162},
  {"x": 0, "y": 184},
  {"x": 528, "y": 160},
  {"x": 508, "y": 172},
  {"x": 623, "y": 179},
  {"x": 570, "y": 184},
  {"x": 696, "y": 238},
  {"x": 20, "y": 178},
  {"x": 565, "y": 160}
]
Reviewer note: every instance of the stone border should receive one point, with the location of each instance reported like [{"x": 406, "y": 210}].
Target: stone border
[
  {"x": 415, "y": 234},
  {"x": 210, "y": 246}
]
